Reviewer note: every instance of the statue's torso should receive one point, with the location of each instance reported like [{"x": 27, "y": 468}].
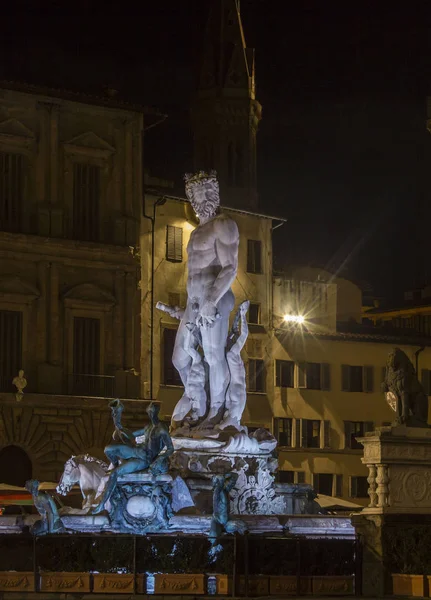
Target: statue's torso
[{"x": 203, "y": 262}]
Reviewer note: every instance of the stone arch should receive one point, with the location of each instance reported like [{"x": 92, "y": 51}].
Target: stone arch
[{"x": 15, "y": 466}]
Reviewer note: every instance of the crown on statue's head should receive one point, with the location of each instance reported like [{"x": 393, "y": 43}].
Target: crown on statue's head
[{"x": 199, "y": 178}]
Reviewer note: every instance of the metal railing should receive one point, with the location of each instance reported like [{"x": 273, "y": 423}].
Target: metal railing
[{"x": 82, "y": 384}]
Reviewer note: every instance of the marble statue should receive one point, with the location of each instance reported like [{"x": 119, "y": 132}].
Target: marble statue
[
  {"x": 236, "y": 395},
  {"x": 212, "y": 267},
  {"x": 20, "y": 382},
  {"x": 45, "y": 505},
  {"x": 90, "y": 473},
  {"x": 128, "y": 455},
  {"x": 221, "y": 521},
  {"x": 404, "y": 392}
]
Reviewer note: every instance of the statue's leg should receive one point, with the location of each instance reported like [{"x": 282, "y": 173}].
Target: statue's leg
[
  {"x": 180, "y": 358},
  {"x": 214, "y": 346},
  {"x": 115, "y": 452},
  {"x": 129, "y": 466}
]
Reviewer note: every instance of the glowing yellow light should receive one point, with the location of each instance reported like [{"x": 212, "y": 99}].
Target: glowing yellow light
[{"x": 294, "y": 319}]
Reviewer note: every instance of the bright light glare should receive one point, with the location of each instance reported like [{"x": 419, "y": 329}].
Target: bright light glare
[{"x": 294, "y": 319}]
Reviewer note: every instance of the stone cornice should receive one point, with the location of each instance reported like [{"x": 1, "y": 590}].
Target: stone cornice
[{"x": 36, "y": 248}]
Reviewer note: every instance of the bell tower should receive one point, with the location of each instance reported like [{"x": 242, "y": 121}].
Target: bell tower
[{"x": 225, "y": 112}]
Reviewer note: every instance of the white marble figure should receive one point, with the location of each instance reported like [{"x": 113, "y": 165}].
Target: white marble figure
[
  {"x": 20, "y": 382},
  {"x": 90, "y": 473},
  {"x": 212, "y": 267},
  {"x": 236, "y": 396}
]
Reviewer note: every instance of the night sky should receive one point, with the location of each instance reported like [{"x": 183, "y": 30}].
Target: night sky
[{"x": 343, "y": 151}]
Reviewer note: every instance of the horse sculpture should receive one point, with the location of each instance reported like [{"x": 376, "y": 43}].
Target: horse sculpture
[{"x": 90, "y": 473}]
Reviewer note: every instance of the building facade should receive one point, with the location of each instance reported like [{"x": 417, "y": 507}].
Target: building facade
[{"x": 70, "y": 206}]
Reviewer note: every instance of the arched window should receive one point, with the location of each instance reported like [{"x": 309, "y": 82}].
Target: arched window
[{"x": 15, "y": 466}]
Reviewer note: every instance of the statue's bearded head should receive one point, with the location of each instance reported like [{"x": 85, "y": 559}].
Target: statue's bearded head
[{"x": 202, "y": 190}]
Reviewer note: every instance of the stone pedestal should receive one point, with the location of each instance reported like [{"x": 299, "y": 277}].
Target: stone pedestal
[
  {"x": 254, "y": 493},
  {"x": 395, "y": 528},
  {"x": 399, "y": 464}
]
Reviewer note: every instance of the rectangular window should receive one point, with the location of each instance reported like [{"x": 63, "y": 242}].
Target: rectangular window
[
  {"x": 10, "y": 347},
  {"x": 313, "y": 376},
  {"x": 284, "y": 373},
  {"x": 254, "y": 256},
  {"x": 426, "y": 381},
  {"x": 357, "y": 379},
  {"x": 359, "y": 487},
  {"x": 174, "y": 299},
  {"x": 174, "y": 243},
  {"x": 283, "y": 431},
  {"x": 86, "y": 346},
  {"x": 286, "y": 476},
  {"x": 86, "y": 202},
  {"x": 253, "y": 316},
  {"x": 11, "y": 191},
  {"x": 170, "y": 374},
  {"x": 354, "y": 429},
  {"x": 310, "y": 433},
  {"x": 256, "y": 375},
  {"x": 323, "y": 483}
]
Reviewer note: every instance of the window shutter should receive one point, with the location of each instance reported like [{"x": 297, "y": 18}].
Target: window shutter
[
  {"x": 276, "y": 429},
  {"x": 326, "y": 434},
  {"x": 316, "y": 482},
  {"x": 300, "y": 477},
  {"x": 174, "y": 243},
  {"x": 345, "y": 378},
  {"x": 425, "y": 376},
  {"x": 297, "y": 433},
  {"x": 301, "y": 375},
  {"x": 278, "y": 368},
  {"x": 368, "y": 374},
  {"x": 304, "y": 433},
  {"x": 339, "y": 486},
  {"x": 368, "y": 426},
  {"x": 325, "y": 377},
  {"x": 353, "y": 487},
  {"x": 347, "y": 434}
]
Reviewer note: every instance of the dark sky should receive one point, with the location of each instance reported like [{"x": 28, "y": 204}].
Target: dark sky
[{"x": 343, "y": 151}]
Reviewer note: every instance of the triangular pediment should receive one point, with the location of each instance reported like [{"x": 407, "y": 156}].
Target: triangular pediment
[
  {"x": 91, "y": 140},
  {"x": 89, "y": 292},
  {"x": 16, "y": 286},
  {"x": 15, "y": 128}
]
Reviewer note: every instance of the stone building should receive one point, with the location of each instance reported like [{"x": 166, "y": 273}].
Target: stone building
[{"x": 70, "y": 206}]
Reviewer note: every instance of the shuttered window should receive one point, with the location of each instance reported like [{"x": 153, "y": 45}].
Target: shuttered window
[
  {"x": 284, "y": 373},
  {"x": 357, "y": 378},
  {"x": 310, "y": 433},
  {"x": 322, "y": 483},
  {"x": 170, "y": 374},
  {"x": 283, "y": 431},
  {"x": 86, "y": 202},
  {"x": 253, "y": 315},
  {"x": 254, "y": 256},
  {"x": 256, "y": 375},
  {"x": 358, "y": 486},
  {"x": 286, "y": 476},
  {"x": 174, "y": 243},
  {"x": 313, "y": 376},
  {"x": 10, "y": 346},
  {"x": 86, "y": 346},
  {"x": 11, "y": 191},
  {"x": 354, "y": 429}
]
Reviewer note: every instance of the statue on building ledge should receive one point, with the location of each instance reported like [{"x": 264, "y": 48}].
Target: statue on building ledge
[{"x": 207, "y": 354}]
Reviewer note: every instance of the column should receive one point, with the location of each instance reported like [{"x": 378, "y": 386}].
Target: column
[{"x": 42, "y": 328}]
